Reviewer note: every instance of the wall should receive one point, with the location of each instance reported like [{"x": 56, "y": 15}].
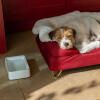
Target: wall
[
  {"x": 2, "y": 32},
  {"x": 20, "y": 15}
]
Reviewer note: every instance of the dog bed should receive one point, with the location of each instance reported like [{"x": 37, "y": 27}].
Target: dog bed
[{"x": 59, "y": 59}]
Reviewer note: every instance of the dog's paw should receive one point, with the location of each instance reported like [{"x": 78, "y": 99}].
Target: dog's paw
[
  {"x": 84, "y": 50},
  {"x": 91, "y": 46}
]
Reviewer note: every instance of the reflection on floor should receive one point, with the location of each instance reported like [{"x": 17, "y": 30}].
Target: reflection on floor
[{"x": 76, "y": 84}]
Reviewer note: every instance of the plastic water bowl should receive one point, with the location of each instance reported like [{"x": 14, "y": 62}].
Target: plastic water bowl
[{"x": 17, "y": 67}]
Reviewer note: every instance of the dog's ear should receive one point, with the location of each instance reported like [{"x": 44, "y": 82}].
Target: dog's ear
[
  {"x": 51, "y": 35},
  {"x": 74, "y": 32}
]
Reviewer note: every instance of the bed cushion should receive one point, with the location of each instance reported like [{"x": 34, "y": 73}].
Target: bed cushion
[{"x": 59, "y": 59}]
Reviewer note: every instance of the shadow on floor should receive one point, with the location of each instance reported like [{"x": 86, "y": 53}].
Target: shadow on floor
[
  {"x": 33, "y": 66},
  {"x": 43, "y": 78},
  {"x": 81, "y": 69},
  {"x": 73, "y": 90},
  {"x": 78, "y": 89},
  {"x": 49, "y": 96}
]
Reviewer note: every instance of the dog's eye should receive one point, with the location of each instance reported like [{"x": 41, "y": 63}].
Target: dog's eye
[
  {"x": 58, "y": 37},
  {"x": 69, "y": 36}
]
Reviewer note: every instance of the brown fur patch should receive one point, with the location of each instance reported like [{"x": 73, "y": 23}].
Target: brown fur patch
[{"x": 63, "y": 32}]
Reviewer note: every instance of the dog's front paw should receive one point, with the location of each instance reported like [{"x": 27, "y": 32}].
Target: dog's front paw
[{"x": 84, "y": 50}]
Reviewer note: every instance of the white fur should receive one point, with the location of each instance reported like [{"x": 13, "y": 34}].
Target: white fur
[
  {"x": 64, "y": 40},
  {"x": 75, "y": 19},
  {"x": 44, "y": 26},
  {"x": 90, "y": 46},
  {"x": 43, "y": 34}
]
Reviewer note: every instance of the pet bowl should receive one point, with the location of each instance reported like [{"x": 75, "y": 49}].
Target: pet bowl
[{"x": 17, "y": 67}]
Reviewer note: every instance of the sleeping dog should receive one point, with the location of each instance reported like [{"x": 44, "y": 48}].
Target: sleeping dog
[
  {"x": 68, "y": 37},
  {"x": 81, "y": 30}
]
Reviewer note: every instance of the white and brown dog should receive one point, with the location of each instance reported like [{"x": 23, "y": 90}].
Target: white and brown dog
[
  {"x": 81, "y": 30},
  {"x": 67, "y": 38}
]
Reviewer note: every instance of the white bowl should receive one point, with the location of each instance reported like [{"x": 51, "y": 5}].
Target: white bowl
[{"x": 17, "y": 67}]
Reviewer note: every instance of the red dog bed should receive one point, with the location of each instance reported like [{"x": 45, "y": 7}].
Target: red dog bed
[{"x": 59, "y": 59}]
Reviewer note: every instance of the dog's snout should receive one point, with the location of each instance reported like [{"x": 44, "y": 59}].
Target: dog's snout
[{"x": 66, "y": 43}]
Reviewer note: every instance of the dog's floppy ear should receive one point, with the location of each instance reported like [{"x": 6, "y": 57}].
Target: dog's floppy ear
[
  {"x": 51, "y": 35},
  {"x": 74, "y": 32},
  {"x": 57, "y": 30}
]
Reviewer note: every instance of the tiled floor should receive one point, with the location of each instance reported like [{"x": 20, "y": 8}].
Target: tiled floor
[{"x": 76, "y": 84}]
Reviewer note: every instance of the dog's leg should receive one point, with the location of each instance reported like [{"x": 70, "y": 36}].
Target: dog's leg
[
  {"x": 90, "y": 46},
  {"x": 56, "y": 74}
]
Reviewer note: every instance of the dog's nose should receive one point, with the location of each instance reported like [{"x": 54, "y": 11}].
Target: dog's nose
[{"x": 66, "y": 43}]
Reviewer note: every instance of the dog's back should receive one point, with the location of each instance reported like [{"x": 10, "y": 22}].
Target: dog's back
[{"x": 87, "y": 29}]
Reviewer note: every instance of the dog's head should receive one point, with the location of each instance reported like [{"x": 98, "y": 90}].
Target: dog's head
[{"x": 64, "y": 36}]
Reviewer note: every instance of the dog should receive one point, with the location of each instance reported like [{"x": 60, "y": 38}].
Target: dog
[
  {"x": 81, "y": 30},
  {"x": 66, "y": 37}
]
